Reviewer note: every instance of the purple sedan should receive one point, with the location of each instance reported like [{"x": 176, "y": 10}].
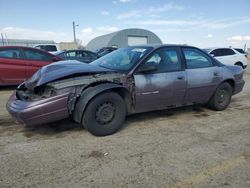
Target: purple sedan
[{"x": 129, "y": 80}]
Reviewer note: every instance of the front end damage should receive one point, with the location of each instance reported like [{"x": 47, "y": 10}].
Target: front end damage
[
  {"x": 31, "y": 108},
  {"x": 33, "y": 104}
]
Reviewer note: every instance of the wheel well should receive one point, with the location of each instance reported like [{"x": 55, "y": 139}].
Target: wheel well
[
  {"x": 79, "y": 103},
  {"x": 239, "y": 63},
  {"x": 124, "y": 93},
  {"x": 231, "y": 82}
]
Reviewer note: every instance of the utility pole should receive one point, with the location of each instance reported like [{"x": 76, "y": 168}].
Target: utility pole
[
  {"x": 74, "y": 30},
  {"x": 2, "y": 39}
]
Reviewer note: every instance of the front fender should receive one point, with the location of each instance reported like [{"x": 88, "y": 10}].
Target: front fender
[{"x": 87, "y": 95}]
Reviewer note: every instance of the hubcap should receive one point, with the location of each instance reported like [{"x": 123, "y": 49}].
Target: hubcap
[
  {"x": 105, "y": 113},
  {"x": 223, "y": 96}
]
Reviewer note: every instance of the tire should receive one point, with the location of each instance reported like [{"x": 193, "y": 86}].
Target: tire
[
  {"x": 104, "y": 114},
  {"x": 221, "y": 97},
  {"x": 239, "y": 64}
]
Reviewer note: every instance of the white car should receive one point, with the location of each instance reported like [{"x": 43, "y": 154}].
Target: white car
[
  {"x": 52, "y": 48},
  {"x": 228, "y": 56}
]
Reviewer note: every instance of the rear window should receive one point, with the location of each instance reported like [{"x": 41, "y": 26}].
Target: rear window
[
  {"x": 240, "y": 50},
  {"x": 48, "y": 48},
  {"x": 10, "y": 53}
]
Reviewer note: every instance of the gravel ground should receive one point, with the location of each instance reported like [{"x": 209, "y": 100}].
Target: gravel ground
[{"x": 186, "y": 147}]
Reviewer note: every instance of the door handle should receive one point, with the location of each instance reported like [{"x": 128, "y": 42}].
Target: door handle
[{"x": 180, "y": 77}]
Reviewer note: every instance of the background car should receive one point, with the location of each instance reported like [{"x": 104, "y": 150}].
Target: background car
[
  {"x": 18, "y": 63},
  {"x": 80, "y": 55},
  {"x": 105, "y": 50},
  {"x": 129, "y": 80},
  {"x": 228, "y": 56},
  {"x": 241, "y": 51},
  {"x": 48, "y": 47}
]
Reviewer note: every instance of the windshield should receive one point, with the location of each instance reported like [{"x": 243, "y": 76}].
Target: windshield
[
  {"x": 207, "y": 50},
  {"x": 240, "y": 50},
  {"x": 122, "y": 59}
]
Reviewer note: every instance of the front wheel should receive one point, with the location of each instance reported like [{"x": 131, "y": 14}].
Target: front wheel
[
  {"x": 104, "y": 114},
  {"x": 222, "y": 97}
]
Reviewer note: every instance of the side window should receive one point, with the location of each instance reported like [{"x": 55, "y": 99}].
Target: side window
[
  {"x": 216, "y": 53},
  {"x": 196, "y": 59},
  {"x": 92, "y": 55},
  {"x": 36, "y": 55},
  {"x": 71, "y": 54},
  {"x": 229, "y": 52},
  {"x": 165, "y": 60},
  {"x": 10, "y": 53},
  {"x": 83, "y": 54}
]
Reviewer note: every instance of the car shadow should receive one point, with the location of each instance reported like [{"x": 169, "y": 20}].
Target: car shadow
[
  {"x": 7, "y": 88},
  {"x": 68, "y": 125},
  {"x": 197, "y": 111},
  {"x": 51, "y": 129}
]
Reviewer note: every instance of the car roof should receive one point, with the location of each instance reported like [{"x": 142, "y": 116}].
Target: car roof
[
  {"x": 77, "y": 50},
  {"x": 26, "y": 47},
  {"x": 163, "y": 45}
]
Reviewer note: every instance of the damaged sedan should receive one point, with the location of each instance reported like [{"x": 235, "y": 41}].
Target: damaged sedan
[{"x": 129, "y": 80}]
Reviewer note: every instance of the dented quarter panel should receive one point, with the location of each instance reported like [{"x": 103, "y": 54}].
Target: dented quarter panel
[
  {"x": 87, "y": 95},
  {"x": 202, "y": 83}
]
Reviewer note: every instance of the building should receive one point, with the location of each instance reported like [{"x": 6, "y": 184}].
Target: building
[
  {"x": 24, "y": 42},
  {"x": 124, "y": 38},
  {"x": 32, "y": 43}
]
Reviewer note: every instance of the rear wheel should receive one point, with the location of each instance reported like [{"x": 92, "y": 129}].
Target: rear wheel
[
  {"x": 222, "y": 97},
  {"x": 104, "y": 114}
]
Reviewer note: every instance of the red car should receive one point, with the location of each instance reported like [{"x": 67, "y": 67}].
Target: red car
[{"x": 18, "y": 63}]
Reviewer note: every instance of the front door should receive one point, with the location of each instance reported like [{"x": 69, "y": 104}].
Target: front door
[{"x": 164, "y": 86}]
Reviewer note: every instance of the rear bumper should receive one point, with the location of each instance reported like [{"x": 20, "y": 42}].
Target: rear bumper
[
  {"x": 38, "y": 112},
  {"x": 238, "y": 86}
]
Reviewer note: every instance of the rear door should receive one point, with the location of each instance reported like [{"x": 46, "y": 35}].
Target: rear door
[
  {"x": 12, "y": 66},
  {"x": 35, "y": 59},
  {"x": 202, "y": 76},
  {"x": 164, "y": 86}
]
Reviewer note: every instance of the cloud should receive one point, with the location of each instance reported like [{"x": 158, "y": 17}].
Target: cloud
[
  {"x": 239, "y": 38},
  {"x": 128, "y": 15},
  {"x": 122, "y": 1},
  {"x": 27, "y": 33},
  {"x": 165, "y": 8},
  {"x": 104, "y": 13},
  {"x": 193, "y": 24},
  {"x": 209, "y": 36},
  {"x": 125, "y": 1},
  {"x": 85, "y": 34},
  {"x": 107, "y": 29},
  {"x": 88, "y": 33},
  {"x": 87, "y": 30}
]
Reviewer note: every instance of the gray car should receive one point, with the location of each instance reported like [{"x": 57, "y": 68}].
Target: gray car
[
  {"x": 79, "y": 55},
  {"x": 129, "y": 80}
]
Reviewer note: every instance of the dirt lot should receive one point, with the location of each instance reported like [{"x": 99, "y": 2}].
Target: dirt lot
[{"x": 187, "y": 147}]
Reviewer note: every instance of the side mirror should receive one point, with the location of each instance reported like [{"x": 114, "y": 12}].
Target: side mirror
[{"x": 147, "y": 68}]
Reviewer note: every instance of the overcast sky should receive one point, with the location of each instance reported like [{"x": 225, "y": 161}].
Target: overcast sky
[{"x": 203, "y": 23}]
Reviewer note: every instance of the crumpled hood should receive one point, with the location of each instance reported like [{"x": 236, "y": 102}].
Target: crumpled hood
[{"x": 62, "y": 69}]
